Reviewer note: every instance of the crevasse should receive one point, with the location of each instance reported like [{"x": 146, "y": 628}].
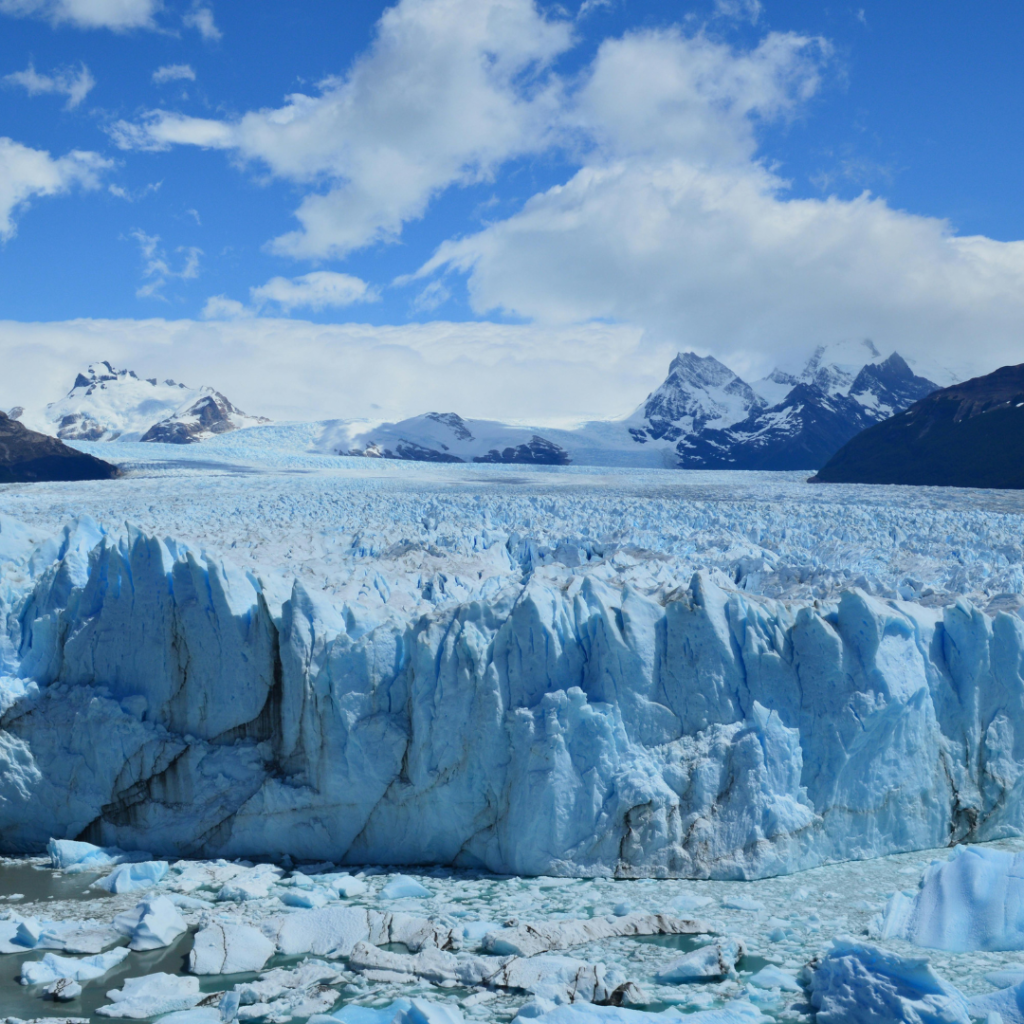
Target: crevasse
[{"x": 160, "y": 699}]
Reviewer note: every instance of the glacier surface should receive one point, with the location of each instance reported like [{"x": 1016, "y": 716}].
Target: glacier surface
[{"x": 530, "y": 672}]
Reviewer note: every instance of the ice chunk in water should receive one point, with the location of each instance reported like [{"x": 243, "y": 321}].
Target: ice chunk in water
[
  {"x": 972, "y": 901},
  {"x": 714, "y": 961},
  {"x": 402, "y": 886},
  {"x": 53, "y": 967},
  {"x": 1009, "y": 1004},
  {"x": 856, "y": 983},
  {"x": 73, "y": 856},
  {"x": 131, "y": 877},
  {"x": 225, "y": 948},
  {"x": 154, "y": 923},
  {"x": 153, "y": 994}
]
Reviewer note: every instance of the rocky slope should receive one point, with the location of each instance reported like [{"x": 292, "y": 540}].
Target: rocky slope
[
  {"x": 26, "y": 456},
  {"x": 968, "y": 435}
]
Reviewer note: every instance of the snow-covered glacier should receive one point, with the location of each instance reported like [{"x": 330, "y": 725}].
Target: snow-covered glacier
[{"x": 483, "y": 697}]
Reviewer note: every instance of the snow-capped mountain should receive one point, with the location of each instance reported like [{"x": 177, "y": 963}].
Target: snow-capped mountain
[
  {"x": 106, "y": 404},
  {"x": 445, "y": 437},
  {"x": 699, "y": 393},
  {"x": 825, "y": 408},
  {"x": 704, "y": 416}
]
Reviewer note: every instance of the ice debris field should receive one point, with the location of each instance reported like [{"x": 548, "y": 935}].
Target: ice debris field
[{"x": 288, "y": 736}]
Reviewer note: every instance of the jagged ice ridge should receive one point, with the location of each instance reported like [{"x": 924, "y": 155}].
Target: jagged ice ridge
[{"x": 527, "y": 707}]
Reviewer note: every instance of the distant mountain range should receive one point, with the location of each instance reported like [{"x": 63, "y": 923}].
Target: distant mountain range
[
  {"x": 106, "y": 404},
  {"x": 967, "y": 435},
  {"x": 704, "y": 416}
]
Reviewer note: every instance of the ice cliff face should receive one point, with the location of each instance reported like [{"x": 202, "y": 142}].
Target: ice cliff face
[{"x": 157, "y": 698}]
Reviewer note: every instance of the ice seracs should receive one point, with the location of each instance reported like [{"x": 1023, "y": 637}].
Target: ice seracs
[{"x": 654, "y": 726}]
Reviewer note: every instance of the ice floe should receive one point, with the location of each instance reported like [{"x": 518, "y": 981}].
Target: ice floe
[
  {"x": 530, "y": 939},
  {"x": 53, "y": 967},
  {"x": 223, "y": 947},
  {"x": 152, "y": 995}
]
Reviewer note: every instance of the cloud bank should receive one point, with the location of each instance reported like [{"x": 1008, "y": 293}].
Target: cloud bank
[{"x": 292, "y": 369}]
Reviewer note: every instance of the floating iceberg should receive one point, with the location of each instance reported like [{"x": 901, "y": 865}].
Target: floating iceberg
[
  {"x": 580, "y": 725},
  {"x": 402, "y": 886},
  {"x": 53, "y": 967},
  {"x": 857, "y": 983},
  {"x": 153, "y": 924},
  {"x": 151, "y": 995},
  {"x": 713, "y": 961},
  {"x": 972, "y": 901},
  {"x": 132, "y": 877},
  {"x": 1009, "y": 1004},
  {"x": 226, "y": 948}
]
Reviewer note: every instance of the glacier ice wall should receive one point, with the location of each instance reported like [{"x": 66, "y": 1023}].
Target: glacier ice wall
[{"x": 156, "y": 698}]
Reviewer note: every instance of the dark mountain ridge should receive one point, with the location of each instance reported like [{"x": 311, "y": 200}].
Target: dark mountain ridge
[
  {"x": 967, "y": 435},
  {"x": 27, "y": 457}
]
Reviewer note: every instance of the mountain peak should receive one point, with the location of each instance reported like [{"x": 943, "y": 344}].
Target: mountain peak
[{"x": 704, "y": 371}]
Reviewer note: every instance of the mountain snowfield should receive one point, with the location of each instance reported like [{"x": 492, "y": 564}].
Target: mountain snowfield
[
  {"x": 106, "y": 404},
  {"x": 668, "y": 739}
]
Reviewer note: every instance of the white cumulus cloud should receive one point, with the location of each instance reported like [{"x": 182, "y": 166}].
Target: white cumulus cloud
[
  {"x": 26, "y": 173},
  {"x": 673, "y": 222},
  {"x": 201, "y": 19},
  {"x": 448, "y": 91},
  {"x": 322, "y": 289},
  {"x": 119, "y": 15},
  {"x": 174, "y": 73},
  {"x": 75, "y": 83}
]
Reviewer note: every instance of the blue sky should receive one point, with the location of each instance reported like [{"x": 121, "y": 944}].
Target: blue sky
[{"x": 747, "y": 179}]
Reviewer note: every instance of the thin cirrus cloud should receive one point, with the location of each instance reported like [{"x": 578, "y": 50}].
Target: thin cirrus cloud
[
  {"x": 26, "y": 174},
  {"x": 157, "y": 269},
  {"x": 74, "y": 83},
  {"x": 174, "y": 73},
  {"x": 118, "y": 15}
]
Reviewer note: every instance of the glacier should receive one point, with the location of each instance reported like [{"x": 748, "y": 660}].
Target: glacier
[{"x": 516, "y": 672}]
